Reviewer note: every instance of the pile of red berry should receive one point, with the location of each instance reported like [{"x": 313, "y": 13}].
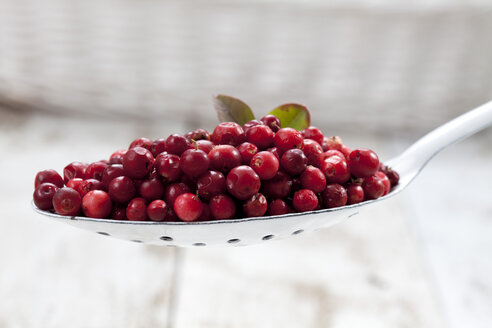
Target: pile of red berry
[{"x": 237, "y": 171}]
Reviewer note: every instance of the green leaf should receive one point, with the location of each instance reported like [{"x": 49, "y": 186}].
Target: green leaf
[
  {"x": 230, "y": 109},
  {"x": 293, "y": 115}
]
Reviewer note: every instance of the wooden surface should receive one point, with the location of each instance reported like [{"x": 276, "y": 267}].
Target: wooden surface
[{"x": 421, "y": 259}]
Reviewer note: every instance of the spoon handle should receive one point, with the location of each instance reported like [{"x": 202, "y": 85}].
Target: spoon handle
[{"x": 422, "y": 151}]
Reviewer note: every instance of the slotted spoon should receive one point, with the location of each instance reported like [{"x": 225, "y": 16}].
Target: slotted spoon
[{"x": 250, "y": 231}]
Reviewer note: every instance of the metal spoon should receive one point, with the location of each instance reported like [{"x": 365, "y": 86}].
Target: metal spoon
[{"x": 250, "y": 231}]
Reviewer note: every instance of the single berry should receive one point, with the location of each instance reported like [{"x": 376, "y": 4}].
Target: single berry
[
  {"x": 176, "y": 144},
  {"x": 205, "y": 145},
  {"x": 167, "y": 166},
  {"x": 265, "y": 164},
  {"x": 305, "y": 200},
  {"x": 141, "y": 142},
  {"x": 223, "y": 158},
  {"x": 277, "y": 207},
  {"x": 89, "y": 185},
  {"x": 314, "y": 179},
  {"x": 346, "y": 151},
  {"x": 117, "y": 156},
  {"x": 228, "y": 133},
  {"x": 157, "y": 147},
  {"x": 188, "y": 207},
  {"x": 313, "y": 133},
  {"x": 363, "y": 163},
  {"x": 199, "y": 134},
  {"x": 386, "y": 182},
  {"x": 247, "y": 151},
  {"x": 293, "y": 161},
  {"x": 279, "y": 186},
  {"x": 173, "y": 191},
  {"x": 272, "y": 122},
  {"x": 138, "y": 163},
  {"x": 243, "y": 182},
  {"x": 276, "y": 152},
  {"x": 211, "y": 184},
  {"x": 334, "y": 143},
  {"x": 118, "y": 212},
  {"x": 222, "y": 207},
  {"x": 328, "y": 154},
  {"x": 96, "y": 204},
  {"x": 250, "y": 124},
  {"x": 260, "y": 135},
  {"x": 373, "y": 187},
  {"x": 43, "y": 196},
  {"x": 75, "y": 184},
  {"x": 194, "y": 162},
  {"x": 50, "y": 176},
  {"x": 151, "y": 189},
  {"x": 206, "y": 214},
  {"x": 355, "y": 193},
  {"x": 111, "y": 172},
  {"x": 95, "y": 170},
  {"x": 288, "y": 138},
  {"x": 74, "y": 170},
  {"x": 121, "y": 189},
  {"x": 137, "y": 210},
  {"x": 334, "y": 195},
  {"x": 392, "y": 175},
  {"x": 255, "y": 206},
  {"x": 335, "y": 169},
  {"x": 67, "y": 201},
  {"x": 157, "y": 210},
  {"x": 312, "y": 150}
]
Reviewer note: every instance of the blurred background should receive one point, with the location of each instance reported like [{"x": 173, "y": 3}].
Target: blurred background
[{"x": 79, "y": 80}]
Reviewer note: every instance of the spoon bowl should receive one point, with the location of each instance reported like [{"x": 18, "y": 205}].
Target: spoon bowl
[{"x": 249, "y": 231}]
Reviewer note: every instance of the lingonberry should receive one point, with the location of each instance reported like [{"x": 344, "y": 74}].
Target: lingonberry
[
  {"x": 272, "y": 122},
  {"x": 173, "y": 191},
  {"x": 222, "y": 207},
  {"x": 334, "y": 142},
  {"x": 247, "y": 151},
  {"x": 75, "y": 184},
  {"x": 141, "y": 142},
  {"x": 373, "y": 187},
  {"x": 111, "y": 172},
  {"x": 67, "y": 201},
  {"x": 89, "y": 185},
  {"x": 117, "y": 156},
  {"x": 296, "y": 185},
  {"x": 279, "y": 186},
  {"x": 211, "y": 184},
  {"x": 157, "y": 147},
  {"x": 255, "y": 206},
  {"x": 205, "y": 145},
  {"x": 188, "y": 207},
  {"x": 74, "y": 170},
  {"x": 334, "y": 195},
  {"x": 95, "y": 170},
  {"x": 277, "y": 207},
  {"x": 206, "y": 214},
  {"x": 121, "y": 189},
  {"x": 260, "y": 135},
  {"x": 199, "y": 134},
  {"x": 392, "y": 175},
  {"x": 276, "y": 152},
  {"x": 346, "y": 151},
  {"x": 224, "y": 157},
  {"x": 265, "y": 164},
  {"x": 288, "y": 138},
  {"x": 138, "y": 163},
  {"x": 314, "y": 179},
  {"x": 329, "y": 153},
  {"x": 118, "y": 212},
  {"x": 43, "y": 195},
  {"x": 151, "y": 189},
  {"x": 355, "y": 193},
  {"x": 137, "y": 210},
  {"x": 228, "y": 133},
  {"x": 248, "y": 125},
  {"x": 335, "y": 169},
  {"x": 50, "y": 176},
  {"x": 167, "y": 167},
  {"x": 363, "y": 163},
  {"x": 176, "y": 144},
  {"x": 242, "y": 182},
  {"x": 313, "y": 133},
  {"x": 96, "y": 204},
  {"x": 386, "y": 182},
  {"x": 293, "y": 161},
  {"x": 194, "y": 162},
  {"x": 312, "y": 150},
  {"x": 305, "y": 200},
  {"x": 157, "y": 210}
]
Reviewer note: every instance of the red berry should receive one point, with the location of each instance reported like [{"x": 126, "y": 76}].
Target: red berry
[
  {"x": 121, "y": 189},
  {"x": 228, "y": 133},
  {"x": 335, "y": 169},
  {"x": 89, "y": 185},
  {"x": 276, "y": 152},
  {"x": 43, "y": 196},
  {"x": 199, "y": 134},
  {"x": 279, "y": 186},
  {"x": 188, "y": 207},
  {"x": 328, "y": 154},
  {"x": 137, "y": 210},
  {"x": 194, "y": 162},
  {"x": 224, "y": 157},
  {"x": 334, "y": 143},
  {"x": 355, "y": 193},
  {"x": 334, "y": 196},
  {"x": 392, "y": 175},
  {"x": 210, "y": 184},
  {"x": 111, "y": 172},
  {"x": 50, "y": 176},
  {"x": 255, "y": 206},
  {"x": 95, "y": 170},
  {"x": 176, "y": 144},
  {"x": 75, "y": 184},
  {"x": 288, "y": 138},
  {"x": 167, "y": 166},
  {"x": 363, "y": 163},
  {"x": 247, "y": 151},
  {"x": 260, "y": 135},
  {"x": 67, "y": 201},
  {"x": 373, "y": 187},
  {"x": 272, "y": 122},
  {"x": 173, "y": 191},
  {"x": 386, "y": 182},
  {"x": 277, "y": 207},
  {"x": 151, "y": 189},
  {"x": 313, "y": 133},
  {"x": 118, "y": 212},
  {"x": 205, "y": 145},
  {"x": 222, "y": 207},
  {"x": 141, "y": 142},
  {"x": 157, "y": 147},
  {"x": 248, "y": 125},
  {"x": 305, "y": 200},
  {"x": 293, "y": 161},
  {"x": 74, "y": 170},
  {"x": 157, "y": 210},
  {"x": 312, "y": 150},
  {"x": 117, "y": 156},
  {"x": 138, "y": 163},
  {"x": 314, "y": 179},
  {"x": 265, "y": 164},
  {"x": 346, "y": 151},
  {"x": 243, "y": 182},
  {"x": 206, "y": 214},
  {"x": 96, "y": 204}
]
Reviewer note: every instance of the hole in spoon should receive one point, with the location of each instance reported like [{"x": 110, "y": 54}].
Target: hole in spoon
[
  {"x": 298, "y": 232},
  {"x": 267, "y": 237},
  {"x": 166, "y": 238},
  {"x": 137, "y": 241},
  {"x": 199, "y": 244},
  {"x": 103, "y": 233},
  {"x": 233, "y": 241}
]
